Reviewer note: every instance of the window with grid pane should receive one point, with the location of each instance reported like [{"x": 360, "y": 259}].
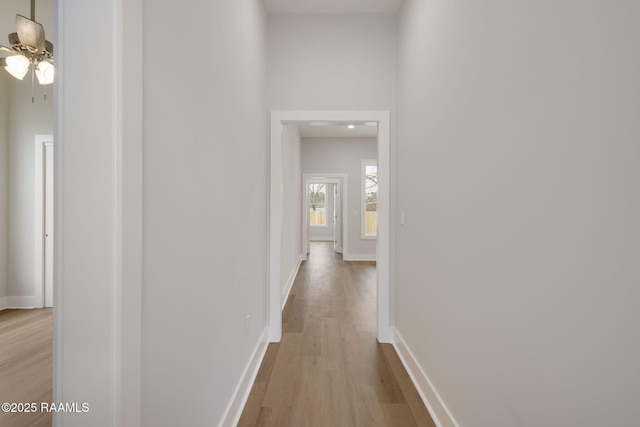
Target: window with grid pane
[
  {"x": 317, "y": 205},
  {"x": 370, "y": 198}
]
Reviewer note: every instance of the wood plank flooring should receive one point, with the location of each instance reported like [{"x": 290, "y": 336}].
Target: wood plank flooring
[
  {"x": 26, "y": 364},
  {"x": 329, "y": 370}
]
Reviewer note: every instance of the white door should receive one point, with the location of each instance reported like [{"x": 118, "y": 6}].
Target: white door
[
  {"x": 336, "y": 231},
  {"x": 337, "y": 216},
  {"x": 48, "y": 225},
  {"x": 307, "y": 206}
]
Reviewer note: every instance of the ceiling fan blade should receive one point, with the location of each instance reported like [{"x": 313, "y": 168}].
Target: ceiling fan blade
[
  {"x": 30, "y": 33},
  {"x": 6, "y": 49},
  {"x": 13, "y": 39},
  {"x": 48, "y": 47}
]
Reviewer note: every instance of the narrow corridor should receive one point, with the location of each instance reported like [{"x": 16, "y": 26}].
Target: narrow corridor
[{"x": 329, "y": 370}]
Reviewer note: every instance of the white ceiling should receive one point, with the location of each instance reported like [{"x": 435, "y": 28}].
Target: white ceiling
[
  {"x": 337, "y": 130},
  {"x": 332, "y": 6}
]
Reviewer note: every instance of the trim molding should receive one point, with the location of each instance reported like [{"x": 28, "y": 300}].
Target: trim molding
[
  {"x": 127, "y": 148},
  {"x": 17, "y": 302},
  {"x": 383, "y": 243},
  {"x": 359, "y": 257},
  {"x": 341, "y": 181},
  {"x": 292, "y": 278},
  {"x": 430, "y": 396},
  {"x": 241, "y": 394}
]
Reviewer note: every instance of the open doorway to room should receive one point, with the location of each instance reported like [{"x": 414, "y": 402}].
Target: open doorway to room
[
  {"x": 323, "y": 216},
  {"x": 321, "y": 213},
  {"x": 337, "y": 155},
  {"x": 330, "y": 313},
  {"x": 26, "y": 207},
  {"x": 282, "y": 134}
]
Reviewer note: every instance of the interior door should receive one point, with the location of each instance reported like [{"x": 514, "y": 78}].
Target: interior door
[
  {"x": 307, "y": 206},
  {"x": 335, "y": 218},
  {"x": 48, "y": 225},
  {"x": 337, "y": 215}
]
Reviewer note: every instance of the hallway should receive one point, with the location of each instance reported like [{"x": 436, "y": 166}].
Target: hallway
[{"x": 329, "y": 370}]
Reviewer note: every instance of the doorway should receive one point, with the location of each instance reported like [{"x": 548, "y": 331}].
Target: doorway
[
  {"x": 335, "y": 215},
  {"x": 278, "y": 120},
  {"x": 44, "y": 220}
]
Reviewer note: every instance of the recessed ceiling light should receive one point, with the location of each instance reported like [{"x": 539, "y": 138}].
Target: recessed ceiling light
[{"x": 351, "y": 126}]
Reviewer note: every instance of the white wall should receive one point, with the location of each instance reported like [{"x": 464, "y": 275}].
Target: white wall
[
  {"x": 325, "y": 233},
  {"x": 26, "y": 119},
  {"x": 205, "y": 206},
  {"x": 518, "y": 171},
  {"x": 329, "y": 62},
  {"x": 291, "y": 204},
  {"x": 336, "y": 62},
  {"x": 165, "y": 312},
  {"x": 343, "y": 155},
  {"x": 4, "y": 186}
]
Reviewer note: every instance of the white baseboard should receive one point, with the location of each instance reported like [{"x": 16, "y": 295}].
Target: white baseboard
[
  {"x": 292, "y": 278},
  {"x": 19, "y": 302},
  {"x": 436, "y": 406},
  {"x": 3, "y": 303},
  {"x": 359, "y": 257},
  {"x": 241, "y": 394}
]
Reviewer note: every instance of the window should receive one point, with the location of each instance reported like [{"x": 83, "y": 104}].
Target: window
[
  {"x": 317, "y": 205},
  {"x": 369, "y": 199}
]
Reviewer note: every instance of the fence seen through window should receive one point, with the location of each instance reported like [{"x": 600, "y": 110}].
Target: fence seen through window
[
  {"x": 370, "y": 199},
  {"x": 317, "y": 204}
]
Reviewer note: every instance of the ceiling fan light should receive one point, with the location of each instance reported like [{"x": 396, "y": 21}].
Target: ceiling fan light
[
  {"x": 45, "y": 73},
  {"x": 17, "y": 66}
]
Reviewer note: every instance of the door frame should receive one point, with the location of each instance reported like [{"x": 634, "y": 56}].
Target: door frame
[
  {"x": 277, "y": 120},
  {"x": 41, "y": 142},
  {"x": 325, "y": 178}
]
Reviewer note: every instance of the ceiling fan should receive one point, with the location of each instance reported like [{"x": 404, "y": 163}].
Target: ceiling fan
[{"x": 29, "y": 48}]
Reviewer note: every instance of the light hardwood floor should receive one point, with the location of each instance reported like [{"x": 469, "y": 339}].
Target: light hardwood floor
[
  {"x": 329, "y": 370},
  {"x": 25, "y": 364}
]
